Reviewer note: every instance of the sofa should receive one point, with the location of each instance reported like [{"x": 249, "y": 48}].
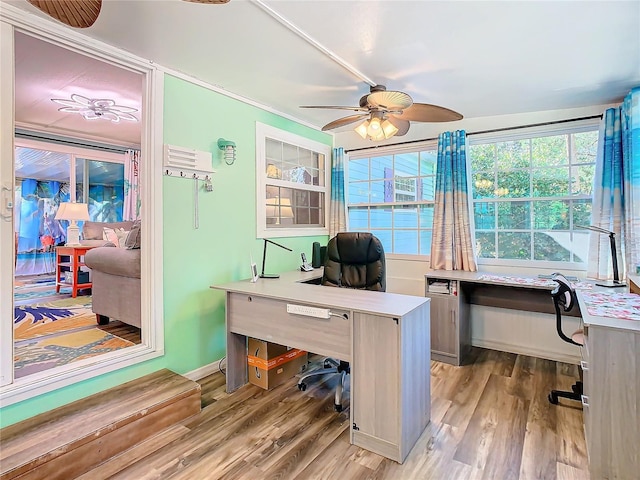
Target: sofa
[{"x": 115, "y": 272}]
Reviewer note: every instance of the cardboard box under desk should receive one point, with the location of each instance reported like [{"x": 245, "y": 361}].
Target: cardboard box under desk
[{"x": 271, "y": 364}]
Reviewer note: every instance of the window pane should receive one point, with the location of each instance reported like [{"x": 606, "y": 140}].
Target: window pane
[
  {"x": 358, "y": 169},
  {"x": 385, "y": 237},
  {"x": 405, "y": 241},
  {"x": 581, "y": 212},
  {"x": 513, "y": 184},
  {"x": 382, "y": 167},
  {"x": 514, "y": 215},
  {"x": 359, "y": 192},
  {"x": 425, "y": 242},
  {"x": 512, "y": 154},
  {"x": 582, "y": 179},
  {"x": 427, "y": 189},
  {"x": 550, "y": 151},
  {"x": 580, "y": 246},
  {"x": 428, "y": 161},
  {"x": 406, "y": 216},
  {"x": 486, "y": 244},
  {"x": 484, "y": 215},
  {"x": 359, "y": 218},
  {"x": 483, "y": 157},
  {"x": 380, "y": 217},
  {"x": 483, "y": 185},
  {"x": 406, "y": 164},
  {"x": 381, "y": 191},
  {"x": 551, "y": 215},
  {"x": 552, "y": 246},
  {"x": 426, "y": 216},
  {"x": 551, "y": 182},
  {"x": 586, "y": 147},
  {"x": 514, "y": 245}
]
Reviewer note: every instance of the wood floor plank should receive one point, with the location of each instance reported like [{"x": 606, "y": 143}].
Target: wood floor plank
[{"x": 490, "y": 419}]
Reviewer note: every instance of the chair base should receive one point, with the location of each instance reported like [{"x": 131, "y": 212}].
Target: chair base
[
  {"x": 330, "y": 366},
  {"x": 575, "y": 394}
]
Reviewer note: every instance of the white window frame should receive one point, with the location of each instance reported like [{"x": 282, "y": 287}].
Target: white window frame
[
  {"x": 152, "y": 310},
  {"x": 520, "y": 134},
  {"x": 267, "y": 131}
]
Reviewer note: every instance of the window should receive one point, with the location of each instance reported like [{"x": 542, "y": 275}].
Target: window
[
  {"x": 530, "y": 192},
  {"x": 392, "y": 196},
  {"x": 293, "y": 179}
]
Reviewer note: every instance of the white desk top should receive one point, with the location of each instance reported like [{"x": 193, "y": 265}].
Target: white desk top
[{"x": 289, "y": 288}]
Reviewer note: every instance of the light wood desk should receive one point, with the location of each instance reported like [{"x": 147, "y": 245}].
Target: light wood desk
[
  {"x": 384, "y": 336},
  {"x": 611, "y": 384}
]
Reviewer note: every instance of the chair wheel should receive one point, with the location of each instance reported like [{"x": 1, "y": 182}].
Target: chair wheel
[
  {"x": 302, "y": 386},
  {"x": 553, "y": 399},
  {"x": 338, "y": 408}
]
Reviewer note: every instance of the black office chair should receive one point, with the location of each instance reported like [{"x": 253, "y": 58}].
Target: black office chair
[
  {"x": 353, "y": 260},
  {"x": 564, "y": 296}
]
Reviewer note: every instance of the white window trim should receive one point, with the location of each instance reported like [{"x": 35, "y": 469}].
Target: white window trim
[
  {"x": 152, "y": 345},
  {"x": 262, "y": 133}
]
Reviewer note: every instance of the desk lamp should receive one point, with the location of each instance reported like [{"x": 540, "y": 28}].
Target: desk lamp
[
  {"x": 614, "y": 257},
  {"x": 73, "y": 211}
]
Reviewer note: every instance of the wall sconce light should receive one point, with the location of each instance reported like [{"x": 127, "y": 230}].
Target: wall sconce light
[{"x": 229, "y": 149}]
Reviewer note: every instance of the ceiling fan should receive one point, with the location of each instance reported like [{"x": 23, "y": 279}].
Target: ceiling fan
[
  {"x": 82, "y": 13},
  {"x": 387, "y": 113}
]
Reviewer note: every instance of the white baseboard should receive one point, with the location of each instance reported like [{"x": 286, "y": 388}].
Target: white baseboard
[
  {"x": 205, "y": 370},
  {"x": 523, "y": 350}
]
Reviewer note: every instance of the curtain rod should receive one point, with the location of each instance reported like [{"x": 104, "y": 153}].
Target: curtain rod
[{"x": 494, "y": 130}]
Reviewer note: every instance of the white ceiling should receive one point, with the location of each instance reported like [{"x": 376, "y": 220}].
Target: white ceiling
[{"x": 479, "y": 58}]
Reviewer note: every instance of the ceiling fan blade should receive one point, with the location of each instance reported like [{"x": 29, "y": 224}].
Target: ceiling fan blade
[
  {"x": 207, "y": 1},
  {"x": 344, "y": 121},
  {"x": 336, "y": 107},
  {"x": 75, "y": 13},
  {"x": 401, "y": 125},
  {"x": 424, "y": 112}
]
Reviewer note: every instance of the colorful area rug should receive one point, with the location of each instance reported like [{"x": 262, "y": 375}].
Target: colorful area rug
[
  {"x": 39, "y": 354},
  {"x": 39, "y": 319},
  {"x": 59, "y": 332}
]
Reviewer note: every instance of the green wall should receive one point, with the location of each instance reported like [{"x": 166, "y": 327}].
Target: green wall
[{"x": 194, "y": 259}]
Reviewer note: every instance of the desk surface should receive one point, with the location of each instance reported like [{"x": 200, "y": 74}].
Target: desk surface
[
  {"x": 591, "y": 298},
  {"x": 291, "y": 287}
]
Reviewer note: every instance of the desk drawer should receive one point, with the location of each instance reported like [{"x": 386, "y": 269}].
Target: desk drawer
[{"x": 267, "y": 319}]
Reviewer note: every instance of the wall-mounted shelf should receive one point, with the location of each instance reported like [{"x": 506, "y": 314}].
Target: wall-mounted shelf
[{"x": 187, "y": 163}]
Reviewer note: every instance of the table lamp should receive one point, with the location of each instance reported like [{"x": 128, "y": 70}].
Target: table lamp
[
  {"x": 278, "y": 209},
  {"x": 614, "y": 257},
  {"x": 73, "y": 211}
]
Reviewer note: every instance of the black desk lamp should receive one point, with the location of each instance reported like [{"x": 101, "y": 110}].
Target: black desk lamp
[
  {"x": 614, "y": 257},
  {"x": 264, "y": 256}
]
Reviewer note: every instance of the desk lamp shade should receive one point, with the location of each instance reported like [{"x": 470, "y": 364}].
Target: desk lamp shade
[{"x": 73, "y": 212}]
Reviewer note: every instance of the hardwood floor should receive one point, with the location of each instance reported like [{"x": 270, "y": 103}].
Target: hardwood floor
[{"x": 490, "y": 420}]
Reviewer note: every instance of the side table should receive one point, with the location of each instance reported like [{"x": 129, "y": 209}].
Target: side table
[{"x": 75, "y": 261}]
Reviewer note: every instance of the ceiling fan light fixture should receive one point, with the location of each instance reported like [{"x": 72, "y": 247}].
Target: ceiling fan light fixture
[
  {"x": 96, "y": 108},
  {"x": 362, "y": 129},
  {"x": 389, "y": 129},
  {"x": 374, "y": 128}
]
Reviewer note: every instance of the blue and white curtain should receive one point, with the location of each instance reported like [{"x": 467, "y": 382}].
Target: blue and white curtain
[
  {"x": 452, "y": 245},
  {"x": 616, "y": 193},
  {"x": 337, "y": 206}
]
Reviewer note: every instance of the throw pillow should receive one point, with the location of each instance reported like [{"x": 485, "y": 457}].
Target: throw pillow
[
  {"x": 110, "y": 235},
  {"x": 122, "y": 236},
  {"x": 133, "y": 239}
]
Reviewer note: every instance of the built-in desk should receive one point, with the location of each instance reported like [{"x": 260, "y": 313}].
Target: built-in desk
[
  {"x": 611, "y": 382},
  {"x": 384, "y": 336}
]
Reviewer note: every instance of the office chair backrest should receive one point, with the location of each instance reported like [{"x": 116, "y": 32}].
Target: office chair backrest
[{"x": 355, "y": 260}]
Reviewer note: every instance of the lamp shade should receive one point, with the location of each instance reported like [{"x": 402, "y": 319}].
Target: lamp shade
[
  {"x": 279, "y": 208},
  {"x": 72, "y": 211}
]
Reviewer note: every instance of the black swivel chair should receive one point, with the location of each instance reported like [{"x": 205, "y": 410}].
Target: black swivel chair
[
  {"x": 353, "y": 260},
  {"x": 564, "y": 296}
]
